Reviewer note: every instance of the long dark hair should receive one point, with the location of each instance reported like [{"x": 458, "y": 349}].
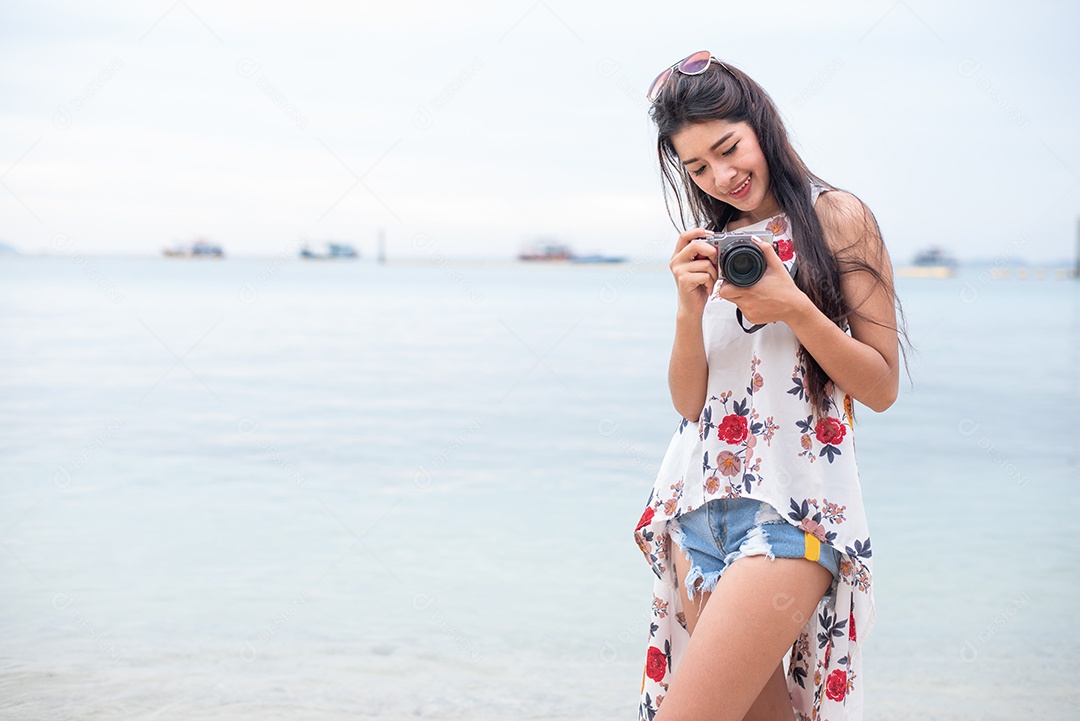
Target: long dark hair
[{"x": 724, "y": 92}]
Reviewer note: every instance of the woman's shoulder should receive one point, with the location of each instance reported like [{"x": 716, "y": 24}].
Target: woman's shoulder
[
  {"x": 834, "y": 203},
  {"x": 845, "y": 219}
]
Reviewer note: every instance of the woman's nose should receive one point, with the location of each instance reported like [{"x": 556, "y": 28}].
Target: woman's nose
[{"x": 723, "y": 176}]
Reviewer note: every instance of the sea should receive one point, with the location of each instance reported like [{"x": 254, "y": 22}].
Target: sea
[{"x": 274, "y": 489}]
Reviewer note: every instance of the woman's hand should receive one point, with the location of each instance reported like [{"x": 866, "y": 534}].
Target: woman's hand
[
  {"x": 694, "y": 266},
  {"x": 773, "y": 298}
]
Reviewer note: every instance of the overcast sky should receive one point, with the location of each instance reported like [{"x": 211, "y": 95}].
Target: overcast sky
[{"x": 470, "y": 127}]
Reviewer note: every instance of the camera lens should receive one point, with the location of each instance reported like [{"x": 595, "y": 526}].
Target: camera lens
[{"x": 742, "y": 264}]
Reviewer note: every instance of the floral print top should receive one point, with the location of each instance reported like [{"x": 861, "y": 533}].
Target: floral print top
[{"x": 757, "y": 437}]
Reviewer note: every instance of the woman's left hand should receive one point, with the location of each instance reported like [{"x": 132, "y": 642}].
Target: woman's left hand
[{"x": 773, "y": 298}]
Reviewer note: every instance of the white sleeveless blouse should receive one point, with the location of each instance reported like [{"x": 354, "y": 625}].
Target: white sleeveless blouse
[{"x": 757, "y": 438}]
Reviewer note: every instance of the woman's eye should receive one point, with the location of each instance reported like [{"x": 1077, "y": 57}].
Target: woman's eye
[
  {"x": 731, "y": 150},
  {"x": 697, "y": 173}
]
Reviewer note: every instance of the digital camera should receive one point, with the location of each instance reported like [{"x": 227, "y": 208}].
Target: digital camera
[{"x": 738, "y": 260}]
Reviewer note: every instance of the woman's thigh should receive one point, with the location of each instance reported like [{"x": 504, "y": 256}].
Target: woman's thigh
[{"x": 749, "y": 622}]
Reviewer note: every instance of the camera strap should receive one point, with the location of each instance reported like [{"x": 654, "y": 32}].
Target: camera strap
[
  {"x": 752, "y": 329},
  {"x": 758, "y": 326}
]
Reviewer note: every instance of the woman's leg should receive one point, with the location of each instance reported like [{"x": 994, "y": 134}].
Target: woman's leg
[
  {"x": 739, "y": 635},
  {"x": 774, "y": 701}
]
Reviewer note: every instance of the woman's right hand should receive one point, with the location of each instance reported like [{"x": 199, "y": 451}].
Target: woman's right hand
[{"x": 694, "y": 266}]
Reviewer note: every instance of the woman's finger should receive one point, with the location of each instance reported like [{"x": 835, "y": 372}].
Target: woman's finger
[
  {"x": 689, "y": 236},
  {"x": 771, "y": 258}
]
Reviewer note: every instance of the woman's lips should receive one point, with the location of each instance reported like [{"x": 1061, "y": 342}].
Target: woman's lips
[{"x": 741, "y": 190}]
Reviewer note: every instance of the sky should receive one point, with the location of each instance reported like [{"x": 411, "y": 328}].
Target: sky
[{"x": 467, "y": 129}]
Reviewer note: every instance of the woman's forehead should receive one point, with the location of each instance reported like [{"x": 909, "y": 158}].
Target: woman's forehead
[{"x": 696, "y": 138}]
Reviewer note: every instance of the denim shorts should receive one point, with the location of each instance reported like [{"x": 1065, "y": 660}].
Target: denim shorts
[{"x": 726, "y": 529}]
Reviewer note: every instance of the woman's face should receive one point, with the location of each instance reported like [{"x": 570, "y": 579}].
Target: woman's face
[{"x": 726, "y": 162}]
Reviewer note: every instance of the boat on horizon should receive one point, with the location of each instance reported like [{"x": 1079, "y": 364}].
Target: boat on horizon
[
  {"x": 200, "y": 248},
  {"x": 334, "y": 251},
  {"x": 932, "y": 262},
  {"x": 549, "y": 251},
  {"x": 546, "y": 251}
]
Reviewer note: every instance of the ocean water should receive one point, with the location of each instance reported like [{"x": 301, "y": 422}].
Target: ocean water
[{"x": 266, "y": 489}]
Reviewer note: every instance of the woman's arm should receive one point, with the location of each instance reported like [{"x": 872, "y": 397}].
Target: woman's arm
[
  {"x": 865, "y": 364},
  {"x": 694, "y": 267},
  {"x": 688, "y": 371}
]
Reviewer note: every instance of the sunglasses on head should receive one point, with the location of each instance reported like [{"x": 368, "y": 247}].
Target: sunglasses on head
[{"x": 694, "y": 64}]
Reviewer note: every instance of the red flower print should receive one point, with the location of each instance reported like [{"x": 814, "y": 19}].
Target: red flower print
[
  {"x": 732, "y": 429},
  {"x": 835, "y": 685},
  {"x": 646, "y": 518},
  {"x": 830, "y": 431},
  {"x": 656, "y": 664},
  {"x": 728, "y": 463},
  {"x": 784, "y": 250},
  {"x": 851, "y": 628},
  {"x": 777, "y": 225}
]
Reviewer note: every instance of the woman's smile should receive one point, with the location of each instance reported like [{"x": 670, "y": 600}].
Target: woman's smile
[{"x": 741, "y": 190}]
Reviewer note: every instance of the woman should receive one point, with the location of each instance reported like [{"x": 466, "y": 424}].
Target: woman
[{"x": 755, "y": 528}]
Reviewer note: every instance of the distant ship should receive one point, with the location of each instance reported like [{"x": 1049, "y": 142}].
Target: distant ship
[
  {"x": 198, "y": 249},
  {"x": 546, "y": 251},
  {"x": 550, "y": 251},
  {"x": 933, "y": 262},
  {"x": 334, "y": 251}
]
